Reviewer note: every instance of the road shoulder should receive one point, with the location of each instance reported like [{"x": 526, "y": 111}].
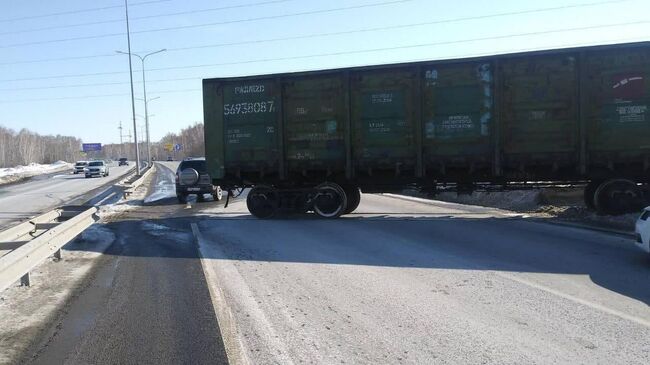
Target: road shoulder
[{"x": 27, "y": 313}]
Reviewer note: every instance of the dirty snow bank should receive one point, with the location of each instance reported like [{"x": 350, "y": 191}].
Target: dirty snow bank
[
  {"x": 164, "y": 188},
  {"x": 13, "y": 174},
  {"x": 564, "y": 204}
]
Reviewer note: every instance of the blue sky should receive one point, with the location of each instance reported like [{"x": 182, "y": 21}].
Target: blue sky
[{"x": 374, "y": 32}]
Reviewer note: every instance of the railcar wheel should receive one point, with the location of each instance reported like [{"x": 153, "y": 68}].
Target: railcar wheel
[
  {"x": 618, "y": 196},
  {"x": 330, "y": 201},
  {"x": 262, "y": 201},
  {"x": 353, "y": 194},
  {"x": 590, "y": 193}
]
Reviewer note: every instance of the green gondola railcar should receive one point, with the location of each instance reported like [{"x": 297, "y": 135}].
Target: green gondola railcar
[{"x": 310, "y": 140}]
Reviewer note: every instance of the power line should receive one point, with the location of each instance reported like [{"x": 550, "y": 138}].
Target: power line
[
  {"x": 107, "y": 35},
  {"x": 146, "y": 17},
  {"x": 98, "y": 84},
  {"x": 78, "y": 11},
  {"x": 60, "y": 59},
  {"x": 456, "y": 56},
  {"x": 93, "y": 96},
  {"x": 261, "y": 60},
  {"x": 364, "y": 30},
  {"x": 68, "y": 76}
]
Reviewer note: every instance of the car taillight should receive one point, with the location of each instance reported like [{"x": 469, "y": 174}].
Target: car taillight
[{"x": 177, "y": 178}]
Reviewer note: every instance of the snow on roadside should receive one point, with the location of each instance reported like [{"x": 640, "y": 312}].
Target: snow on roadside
[
  {"x": 13, "y": 174},
  {"x": 565, "y": 204},
  {"x": 25, "y": 312},
  {"x": 165, "y": 187}
]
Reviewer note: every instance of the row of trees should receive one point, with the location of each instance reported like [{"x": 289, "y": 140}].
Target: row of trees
[
  {"x": 25, "y": 147},
  {"x": 191, "y": 138}
]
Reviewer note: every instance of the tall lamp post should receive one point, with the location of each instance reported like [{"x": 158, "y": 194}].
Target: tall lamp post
[
  {"x": 146, "y": 121},
  {"x": 144, "y": 91},
  {"x": 135, "y": 133}
]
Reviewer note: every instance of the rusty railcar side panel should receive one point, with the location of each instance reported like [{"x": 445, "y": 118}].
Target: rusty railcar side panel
[
  {"x": 251, "y": 126},
  {"x": 539, "y": 115},
  {"x": 315, "y": 123},
  {"x": 457, "y": 117},
  {"x": 384, "y": 121},
  {"x": 618, "y": 94}
]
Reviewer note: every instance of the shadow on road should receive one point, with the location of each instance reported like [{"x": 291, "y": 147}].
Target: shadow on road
[{"x": 409, "y": 241}]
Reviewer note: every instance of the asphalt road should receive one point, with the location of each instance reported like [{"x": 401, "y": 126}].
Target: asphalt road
[
  {"x": 399, "y": 281},
  {"x": 147, "y": 303},
  {"x": 408, "y": 282},
  {"x": 40, "y": 194}
]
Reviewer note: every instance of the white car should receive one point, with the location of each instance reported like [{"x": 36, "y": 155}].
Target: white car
[
  {"x": 96, "y": 168},
  {"x": 80, "y": 166},
  {"x": 643, "y": 230}
]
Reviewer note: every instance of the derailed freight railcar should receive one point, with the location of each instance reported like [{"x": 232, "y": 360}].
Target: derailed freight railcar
[{"x": 310, "y": 140}]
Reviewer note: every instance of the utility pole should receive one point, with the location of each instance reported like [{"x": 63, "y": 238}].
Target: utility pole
[
  {"x": 135, "y": 127},
  {"x": 120, "y": 128}
]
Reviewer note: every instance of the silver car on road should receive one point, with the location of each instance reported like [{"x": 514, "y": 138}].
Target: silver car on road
[{"x": 96, "y": 168}]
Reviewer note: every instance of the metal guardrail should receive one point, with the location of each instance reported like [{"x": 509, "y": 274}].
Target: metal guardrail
[
  {"x": 26, "y": 245},
  {"x": 129, "y": 187}
]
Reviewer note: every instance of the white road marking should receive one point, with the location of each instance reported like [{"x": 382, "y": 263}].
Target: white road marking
[
  {"x": 575, "y": 299},
  {"x": 235, "y": 348}
]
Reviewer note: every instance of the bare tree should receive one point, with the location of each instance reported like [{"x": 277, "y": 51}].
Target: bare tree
[{"x": 27, "y": 147}]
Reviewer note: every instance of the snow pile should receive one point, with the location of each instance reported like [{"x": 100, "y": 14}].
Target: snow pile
[
  {"x": 165, "y": 188},
  {"x": 563, "y": 203},
  {"x": 12, "y": 174}
]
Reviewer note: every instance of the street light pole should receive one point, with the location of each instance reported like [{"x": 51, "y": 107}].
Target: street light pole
[
  {"x": 144, "y": 91},
  {"x": 146, "y": 113},
  {"x": 146, "y": 117},
  {"x": 135, "y": 127}
]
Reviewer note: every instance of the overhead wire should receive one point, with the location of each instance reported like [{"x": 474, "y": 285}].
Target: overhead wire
[
  {"x": 228, "y": 7},
  {"x": 78, "y": 11},
  {"x": 400, "y": 26},
  {"x": 98, "y": 84},
  {"x": 509, "y": 51},
  {"x": 269, "y": 17},
  {"x": 92, "y": 96},
  {"x": 350, "y": 52}
]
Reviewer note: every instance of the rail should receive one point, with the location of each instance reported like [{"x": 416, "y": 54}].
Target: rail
[
  {"x": 131, "y": 185},
  {"x": 26, "y": 245}
]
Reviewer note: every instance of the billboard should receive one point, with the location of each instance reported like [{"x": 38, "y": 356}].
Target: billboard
[{"x": 88, "y": 147}]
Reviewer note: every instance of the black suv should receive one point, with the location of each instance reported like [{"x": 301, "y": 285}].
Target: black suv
[
  {"x": 192, "y": 178},
  {"x": 123, "y": 162}
]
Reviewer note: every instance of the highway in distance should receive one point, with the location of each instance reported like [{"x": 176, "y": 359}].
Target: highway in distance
[{"x": 42, "y": 193}]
